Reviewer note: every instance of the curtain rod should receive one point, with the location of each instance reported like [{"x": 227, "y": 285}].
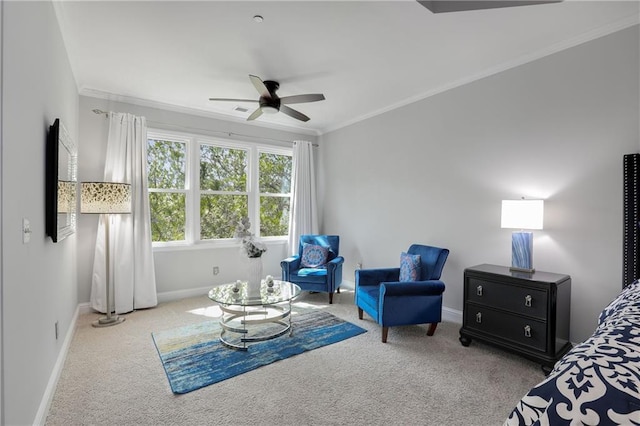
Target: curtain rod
[{"x": 229, "y": 134}]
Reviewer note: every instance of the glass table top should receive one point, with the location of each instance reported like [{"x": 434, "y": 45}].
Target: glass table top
[{"x": 238, "y": 293}]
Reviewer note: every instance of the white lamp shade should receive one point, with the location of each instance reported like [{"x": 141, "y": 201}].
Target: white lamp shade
[
  {"x": 105, "y": 197},
  {"x": 522, "y": 214}
]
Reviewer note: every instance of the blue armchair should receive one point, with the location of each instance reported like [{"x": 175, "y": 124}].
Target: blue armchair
[
  {"x": 309, "y": 270},
  {"x": 391, "y": 303}
]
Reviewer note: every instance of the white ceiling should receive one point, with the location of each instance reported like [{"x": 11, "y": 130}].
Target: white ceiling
[{"x": 366, "y": 57}]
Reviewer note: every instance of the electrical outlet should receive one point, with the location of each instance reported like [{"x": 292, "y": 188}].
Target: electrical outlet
[
  {"x": 56, "y": 325},
  {"x": 216, "y": 270}
]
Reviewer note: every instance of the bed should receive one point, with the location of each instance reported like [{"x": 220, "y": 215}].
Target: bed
[{"x": 598, "y": 381}]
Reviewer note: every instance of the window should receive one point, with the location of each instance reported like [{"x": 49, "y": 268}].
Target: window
[
  {"x": 275, "y": 193},
  {"x": 167, "y": 171},
  {"x": 200, "y": 187},
  {"x": 223, "y": 190}
]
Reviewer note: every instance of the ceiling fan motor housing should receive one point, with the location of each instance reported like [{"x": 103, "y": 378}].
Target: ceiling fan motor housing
[{"x": 270, "y": 103}]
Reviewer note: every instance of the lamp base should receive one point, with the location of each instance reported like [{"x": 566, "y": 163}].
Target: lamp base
[
  {"x": 514, "y": 269},
  {"x": 522, "y": 251},
  {"x": 108, "y": 321}
]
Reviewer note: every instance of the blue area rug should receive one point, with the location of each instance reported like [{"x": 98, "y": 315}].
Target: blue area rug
[{"x": 193, "y": 357}]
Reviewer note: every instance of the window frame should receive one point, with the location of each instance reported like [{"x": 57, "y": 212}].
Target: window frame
[{"x": 193, "y": 192}]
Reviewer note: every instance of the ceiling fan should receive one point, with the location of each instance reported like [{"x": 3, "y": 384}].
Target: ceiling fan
[
  {"x": 271, "y": 103},
  {"x": 442, "y": 6}
]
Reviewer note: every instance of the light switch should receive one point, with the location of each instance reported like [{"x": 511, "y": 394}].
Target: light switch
[{"x": 26, "y": 230}]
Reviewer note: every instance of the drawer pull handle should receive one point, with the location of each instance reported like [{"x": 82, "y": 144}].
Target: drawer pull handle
[
  {"x": 527, "y": 300},
  {"x": 479, "y": 317},
  {"x": 527, "y": 331},
  {"x": 479, "y": 290}
]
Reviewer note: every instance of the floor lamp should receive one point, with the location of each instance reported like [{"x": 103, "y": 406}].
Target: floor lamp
[{"x": 106, "y": 198}]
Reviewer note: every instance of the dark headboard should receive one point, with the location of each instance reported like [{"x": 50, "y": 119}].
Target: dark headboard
[{"x": 631, "y": 213}]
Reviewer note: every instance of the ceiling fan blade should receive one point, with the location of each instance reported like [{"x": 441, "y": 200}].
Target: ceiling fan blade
[
  {"x": 293, "y": 113},
  {"x": 232, "y": 100},
  {"x": 442, "y": 6},
  {"x": 259, "y": 85},
  {"x": 300, "y": 99},
  {"x": 255, "y": 114}
]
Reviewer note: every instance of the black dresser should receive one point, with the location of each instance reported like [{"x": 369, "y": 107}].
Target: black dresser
[{"x": 525, "y": 313}]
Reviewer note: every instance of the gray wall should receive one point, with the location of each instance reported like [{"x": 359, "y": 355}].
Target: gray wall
[
  {"x": 435, "y": 172},
  {"x": 179, "y": 272},
  {"x": 39, "y": 278}
]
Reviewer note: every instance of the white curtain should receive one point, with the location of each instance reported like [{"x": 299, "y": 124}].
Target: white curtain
[
  {"x": 303, "y": 217},
  {"x": 133, "y": 280}
]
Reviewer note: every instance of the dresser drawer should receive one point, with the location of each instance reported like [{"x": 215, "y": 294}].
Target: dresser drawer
[
  {"x": 506, "y": 326},
  {"x": 519, "y": 300}
]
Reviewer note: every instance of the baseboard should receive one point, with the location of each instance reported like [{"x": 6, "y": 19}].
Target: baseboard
[
  {"x": 348, "y": 285},
  {"x": 45, "y": 403},
  {"x": 85, "y": 308},
  {"x": 451, "y": 315},
  {"x": 169, "y": 296}
]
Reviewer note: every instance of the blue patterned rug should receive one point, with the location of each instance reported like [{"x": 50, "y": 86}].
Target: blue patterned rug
[{"x": 193, "y": 357}]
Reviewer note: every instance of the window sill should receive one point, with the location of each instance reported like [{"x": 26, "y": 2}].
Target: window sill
[{"x": 209, "y": 245}]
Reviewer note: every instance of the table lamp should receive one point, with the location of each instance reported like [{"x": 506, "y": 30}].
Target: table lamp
[
  {"x": 522, "y": 214},
  {"x": 106, "y": 198}
]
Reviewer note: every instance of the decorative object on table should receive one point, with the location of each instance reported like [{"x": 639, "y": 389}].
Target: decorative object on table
[
  {"x": 106, "y": 198},
  {"x": 250, "y": 246},
  {"x": 193, "y": 357},
  {"x": 522, "y": 214},
  {"x": 61, "y": 183},
  {"x": 317, "y": 266},
  {"x": 392, "y": 298},
  {"x": 253, "y": 250},
  {"x": 269, "y": 281}
]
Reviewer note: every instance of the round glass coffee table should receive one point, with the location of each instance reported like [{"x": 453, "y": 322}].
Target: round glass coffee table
[{"x": 248, "y": 317}]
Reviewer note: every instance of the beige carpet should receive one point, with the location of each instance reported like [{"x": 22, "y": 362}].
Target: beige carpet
[{"x": 113, "y": 376}]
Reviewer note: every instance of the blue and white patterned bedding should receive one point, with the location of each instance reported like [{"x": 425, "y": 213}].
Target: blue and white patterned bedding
[{"x": 598, "y": 381}]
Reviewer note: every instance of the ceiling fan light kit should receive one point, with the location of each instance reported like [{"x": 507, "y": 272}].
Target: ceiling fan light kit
[{"x": 270, "y": 103}]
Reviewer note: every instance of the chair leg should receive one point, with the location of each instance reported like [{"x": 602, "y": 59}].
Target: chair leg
[
  {"x": 432, "y": 328},
  {"x": 330, "y": 298},
  {"x": 359, "y": 313},
  {"x": 385, "y": 332},
  {"x": 338, "y": 290}
]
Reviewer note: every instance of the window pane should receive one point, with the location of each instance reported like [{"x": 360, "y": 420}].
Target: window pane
[
  {"x": 223, "y": 169},
  {"x": 274, "y": 216},
  {"x": 166, "y": 162},
  {"x": 219, "y": 214},
  {"x": 275, "y": 173},
  {"x": 167, "y": 216}
]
